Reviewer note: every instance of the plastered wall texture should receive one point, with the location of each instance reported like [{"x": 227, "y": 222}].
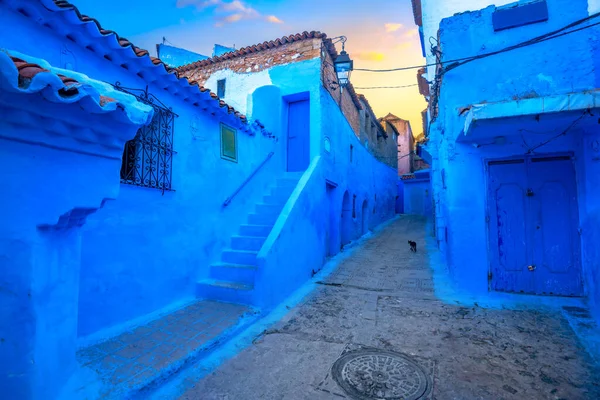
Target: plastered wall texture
[
  {"x": 145, "y": 250},
  {"x": 460, "y": 207},
  {"x": 284, "y": 55},
  {"x": 434, "y": 11}
]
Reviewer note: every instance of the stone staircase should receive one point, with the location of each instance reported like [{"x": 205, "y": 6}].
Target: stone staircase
[{"x": 232, "y": 279}]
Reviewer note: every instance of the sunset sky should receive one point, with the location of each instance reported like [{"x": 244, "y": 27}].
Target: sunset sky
[{"x": 381, "y": 34}]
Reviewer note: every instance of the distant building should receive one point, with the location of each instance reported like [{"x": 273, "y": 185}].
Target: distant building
[
  {"x": 405, "y": 142},
  {"x": 175, "y": 57},
  {"x": 375, "y": 138}
]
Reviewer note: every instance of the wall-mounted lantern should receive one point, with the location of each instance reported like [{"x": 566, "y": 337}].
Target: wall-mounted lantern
[{"x": 343, "y": 65}]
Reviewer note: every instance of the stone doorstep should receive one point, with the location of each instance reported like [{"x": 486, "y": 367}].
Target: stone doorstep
[{"x": 151, "y": 353}]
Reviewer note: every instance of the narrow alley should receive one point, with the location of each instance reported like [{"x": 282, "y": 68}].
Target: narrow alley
[{"x": 381, "y": 303}]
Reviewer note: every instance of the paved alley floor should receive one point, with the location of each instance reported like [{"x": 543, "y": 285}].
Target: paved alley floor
[
  {"x": 374, "y": 329},
  {"x": 154, "y": 351}
]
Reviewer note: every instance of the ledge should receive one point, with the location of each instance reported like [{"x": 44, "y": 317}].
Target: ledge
[{"x": 550, "y": 114}]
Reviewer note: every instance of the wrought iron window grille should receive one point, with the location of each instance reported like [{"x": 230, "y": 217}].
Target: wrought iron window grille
[{"x": 148, "y": 158}]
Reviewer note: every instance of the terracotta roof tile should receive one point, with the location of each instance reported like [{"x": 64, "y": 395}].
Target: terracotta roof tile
[
  {"x": 139, "y": 52},
  {"x": 269, "y": 45},
  {"x": 423, "y": 84},
  {"x": 253, "y": 49},
  {"x": 72, "y": 89},
  {"x": 28, "y": 70},
  {"x": 417, "y": 12}
]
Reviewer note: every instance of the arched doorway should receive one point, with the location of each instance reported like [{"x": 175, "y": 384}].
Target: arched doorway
[
  {"x": 346, "y": 221},
  {"x": 365, "y": 217}
]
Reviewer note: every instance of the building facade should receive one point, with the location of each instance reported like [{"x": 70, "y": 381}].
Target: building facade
[
  {"x": 379, "y": 141},
  {"x": 525, "y": 140},
  {"x": 201, "y": 200},
  {"x": 320, "y": 136},
  {"x": 405, "y": 142}
]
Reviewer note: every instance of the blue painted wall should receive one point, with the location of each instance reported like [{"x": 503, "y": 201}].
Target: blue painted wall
[
  {"x": 400, "y": 198},
  {"x": 307, "y": 214},
  {"x": 42, "y": 138},
  {"x": 562, "y": 65},
  {"x": 145, "y": 251},
  {"x": 417, "y": 197},
  {"x": 176, "y": 57}
]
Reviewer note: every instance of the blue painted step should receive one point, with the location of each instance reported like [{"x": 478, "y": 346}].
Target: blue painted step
[
  {"x": 287, "y": 182},
  {"x": 248, "y": 243},
  {"x": 256, "y": 230},
  {"x": 232, "y": 292},
  {"x": 277, "y": 198},
  {"x": 263, "y": 208},
  {"x": 239, "y": 257},
  {"x": 244, "y": 274},
  {"x": 262, "y": 219}
]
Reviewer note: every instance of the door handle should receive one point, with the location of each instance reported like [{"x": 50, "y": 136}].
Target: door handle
[
  {"x": 531, "y": 267},
  {"x": 530, "y": 193}
]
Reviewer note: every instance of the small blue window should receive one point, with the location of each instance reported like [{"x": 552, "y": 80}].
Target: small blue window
[
  {"x": 520, "y": 14},
  {"x": 221, "y": 88}
]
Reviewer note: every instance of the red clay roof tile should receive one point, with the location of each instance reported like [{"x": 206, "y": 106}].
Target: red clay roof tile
[
  {"x": 269, "y": 45},
  {"x": 28, "y": 70},
  {"x": 140, "y": 52},
  {"x": 65, "y": 89}
]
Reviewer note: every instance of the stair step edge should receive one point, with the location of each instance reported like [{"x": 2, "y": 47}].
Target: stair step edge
[
  {"x": 241, "y": 251},
  {"x": 226, "y": 284},
  {"x": 231, "y": 265}
]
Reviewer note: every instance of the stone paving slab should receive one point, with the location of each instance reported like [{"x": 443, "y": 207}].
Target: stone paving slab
[
  {"x": 151, "y": 352},
  {"x": 381, "y": 298}
]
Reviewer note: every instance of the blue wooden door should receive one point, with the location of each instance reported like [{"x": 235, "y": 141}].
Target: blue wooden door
[
  {"x": 508, "y": 227},
  {"x": 533, "y": 220},
  {"x": 554, "y": 216},
  {"x": 298, "y": 135}
]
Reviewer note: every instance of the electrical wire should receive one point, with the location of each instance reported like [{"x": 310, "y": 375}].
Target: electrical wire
[
  {"x": 386, "y": 87},
  {"x": 571, "y": 126},
  {"x": 547, "y": 36}
]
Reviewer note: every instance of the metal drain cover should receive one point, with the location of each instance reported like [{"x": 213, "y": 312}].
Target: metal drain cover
[{"x": 380, "y": 374}]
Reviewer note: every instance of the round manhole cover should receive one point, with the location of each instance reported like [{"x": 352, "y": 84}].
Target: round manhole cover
[{"x": 379, "y": 374}]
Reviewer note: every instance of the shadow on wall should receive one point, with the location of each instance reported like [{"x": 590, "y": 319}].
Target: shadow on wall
[
  {"x": 346, "y": 221},
  {"x": 365, "y": 217}
]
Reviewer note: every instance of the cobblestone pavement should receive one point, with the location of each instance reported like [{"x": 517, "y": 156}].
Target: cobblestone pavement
[
  {"x": 382, "y": 298},
  {"x": 141, "y": 356}
]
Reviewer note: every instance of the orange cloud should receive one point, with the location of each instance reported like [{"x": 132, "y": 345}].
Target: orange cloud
[
  {"x": 371, "y": 56},
  {"x": 392, "y": 27},
  {"x": 403, "y": 46},
  {"x": 274, "y": 19},
  {"x": 411, "y": 33}
]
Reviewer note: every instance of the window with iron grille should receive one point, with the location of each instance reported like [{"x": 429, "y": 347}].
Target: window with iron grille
[
  {"x": 221, "y": 88},
  {"x": 148, "y": 157}
]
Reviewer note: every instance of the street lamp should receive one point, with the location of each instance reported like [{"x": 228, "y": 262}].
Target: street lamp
[{"x": 343, "y": 65}]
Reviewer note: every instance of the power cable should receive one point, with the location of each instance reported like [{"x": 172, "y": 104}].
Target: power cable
[
  {"x": 547, "y": 36},
  {"x": 386, "y": 87},
  {"x": 571, "y": 126}
]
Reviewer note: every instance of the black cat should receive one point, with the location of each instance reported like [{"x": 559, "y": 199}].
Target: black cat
[{"x": 413, "y": 246}]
